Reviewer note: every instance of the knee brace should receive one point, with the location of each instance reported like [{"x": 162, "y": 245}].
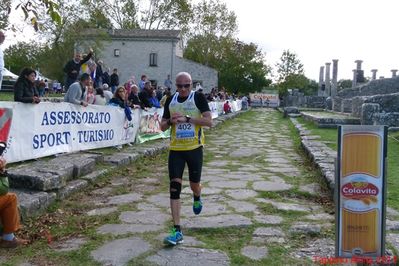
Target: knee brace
[{"x": 175, "y": 189}]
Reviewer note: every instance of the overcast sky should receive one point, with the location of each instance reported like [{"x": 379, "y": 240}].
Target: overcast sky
[{"x": 319, "y": 31}]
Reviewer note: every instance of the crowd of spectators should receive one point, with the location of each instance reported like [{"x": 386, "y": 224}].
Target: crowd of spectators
[{"x": 89, "y": 82}]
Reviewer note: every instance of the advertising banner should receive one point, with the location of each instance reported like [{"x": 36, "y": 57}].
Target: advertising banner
[
  {"x": 50, "y": 128},
  {"x": 150, "y": 125},
  {"x": 264, "y": 100},
  {"x": 361, "y": 191}
]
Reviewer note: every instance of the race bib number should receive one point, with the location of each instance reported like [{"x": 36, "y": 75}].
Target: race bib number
[{"x": 185, "y": 131}]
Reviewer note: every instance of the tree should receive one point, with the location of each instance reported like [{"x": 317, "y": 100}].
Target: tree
[
  {"x": 34, "y": 11},
  {"x": 22, "y": 55},
  {"x": 344, "y": 83},
  {"x": 241, "y": 66},
  {"x": 298, "y": 81},
  {"x": 289, "y": 65},
  {"x": 213, "y": 18}
]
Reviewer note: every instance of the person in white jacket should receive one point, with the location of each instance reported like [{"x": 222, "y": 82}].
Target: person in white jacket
[{"x": 2, "y": 38}]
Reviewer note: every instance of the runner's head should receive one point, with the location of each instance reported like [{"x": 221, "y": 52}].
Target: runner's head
[{"x": 184, "y": 83}]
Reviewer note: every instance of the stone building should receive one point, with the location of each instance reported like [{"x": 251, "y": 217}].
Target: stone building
[{"x": 155, "y": 53}]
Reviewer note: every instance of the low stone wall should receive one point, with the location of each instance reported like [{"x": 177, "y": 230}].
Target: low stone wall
[
  {"x": 321, "y": 155},
  {"x": 305, "y": 101},
  {"x": 337, "y": 104}
]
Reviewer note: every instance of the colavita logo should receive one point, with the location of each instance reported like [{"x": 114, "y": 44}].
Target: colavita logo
[{"x": 359, "y": 189}]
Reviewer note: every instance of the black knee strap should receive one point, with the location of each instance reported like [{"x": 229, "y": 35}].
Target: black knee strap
[{"x": 175, "y": 189}]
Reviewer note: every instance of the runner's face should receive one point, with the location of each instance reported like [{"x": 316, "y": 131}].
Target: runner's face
[{"x": 181, "y": 86}]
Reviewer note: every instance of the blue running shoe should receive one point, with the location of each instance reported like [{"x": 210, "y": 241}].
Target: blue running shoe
[
  {"x": 174, "y": 238},
  {"x": 197, "y": 206}
]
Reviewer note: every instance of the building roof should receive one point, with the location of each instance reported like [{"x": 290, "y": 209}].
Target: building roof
[{"x": 132, "y": 34}]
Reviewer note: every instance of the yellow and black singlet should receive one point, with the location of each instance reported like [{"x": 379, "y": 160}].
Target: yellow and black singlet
[{"x": 185, "y": 136}]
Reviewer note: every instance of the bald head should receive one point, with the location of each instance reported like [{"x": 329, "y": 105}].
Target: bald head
[{"x": 183, "y": 75}]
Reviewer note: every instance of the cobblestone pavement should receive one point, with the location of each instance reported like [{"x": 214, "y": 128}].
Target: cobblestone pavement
[{"x": 263, "y": 205}]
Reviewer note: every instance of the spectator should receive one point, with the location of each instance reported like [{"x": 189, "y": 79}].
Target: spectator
[
  {"x": 24, "y": 88},
  {"x": 106, "y": 77},
  {"x": 72, "y": 68},
  {"x": 244, "y": 102},
  {"x": 9, "y": 215},
  {"x": 46, "y": 87},
  {"x": 133, "y": 99},
  {"x": 145, "y": 95},
  {"x": 168, "y": 83},
  {"x": 119, "y": 97},
  {"x": 226, "y": 107},
  {"x": 100, "y": 97},
  {"x": 93, "y": 73},
  {"x": 100, "y": 74},
  {"x": 114, "y": 80},
  {"x": 159, "y": 93},
  {"x": 41, "y": 86},
  {"x": 107, "y": 93},
  {"x": 166, "y": 95},
  {"x": 89, "y": 95},
  {"x": 142, "y": 82},
  {"x": 128, "y": 87},
  {"x": 76, "y": 91},
  {"x": 154, "y": 100}
]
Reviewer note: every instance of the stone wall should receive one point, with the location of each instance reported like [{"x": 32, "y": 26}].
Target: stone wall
[
  {"x": 381, "y": 110},
  {"x": 305, "y": 101}
]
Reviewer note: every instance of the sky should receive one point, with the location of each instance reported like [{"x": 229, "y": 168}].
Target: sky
[
  {"x": 321, "y": 30},
  {"x": 317, "y": 31}
]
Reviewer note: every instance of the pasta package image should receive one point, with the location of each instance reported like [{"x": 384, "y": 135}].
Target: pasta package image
[{"x": 361, "y": 191}]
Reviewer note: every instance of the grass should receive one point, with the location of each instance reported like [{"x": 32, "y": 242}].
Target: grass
[{"x": 330, "y": 137}]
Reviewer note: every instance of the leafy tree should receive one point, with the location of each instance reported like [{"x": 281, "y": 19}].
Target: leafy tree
[
  {"x": 213, "y": 18},
  {"x": 241, "y": 66},
  {"x": 5, "y": 9},
  {"x": 298, "y": 81},
  {"x": 344, "y": 83},
  {"x": 34, "y": 11},
  {"x": 289, "y": 65},
  {"x": 22, "y": 55}
]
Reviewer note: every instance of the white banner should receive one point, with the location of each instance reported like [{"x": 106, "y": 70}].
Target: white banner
[
  {"x": 264, "y": 100},
  {"x": 50, "y": 128},
  {"x": 39, "y": 130}
]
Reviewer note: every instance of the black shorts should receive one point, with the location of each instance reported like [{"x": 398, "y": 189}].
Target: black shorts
[{"x": 178, "y": 160}]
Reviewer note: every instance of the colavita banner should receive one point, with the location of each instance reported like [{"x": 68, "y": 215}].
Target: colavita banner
[
  {"x": 39, "y": 130},
  {"x": 361, "y": 191},
  {"x": 264, "y": 100}
]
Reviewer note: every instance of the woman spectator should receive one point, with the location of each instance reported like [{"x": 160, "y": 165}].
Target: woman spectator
[
  {"x": 154, "y": 100},
  {"x": 90, "y": 97},
  {"x": 119, "y": 97},
  {"x": 166, "y": 95},
  {"x": 100, "y": 97},
  {"x": 9, "y": 215},
  {"x": 24, "y": 88}
]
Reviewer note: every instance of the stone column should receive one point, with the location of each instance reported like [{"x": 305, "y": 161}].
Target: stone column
[
  {"x": 354, "y": 78},
  {"x": 328, "y": 81},
  {"x": 321, "y": 82},
  {"x": 359, "y": 64},
  {"x": 374, "y": 74},
  {"x": 334, "y": 84},
  {"x": 394, "y": 72}
]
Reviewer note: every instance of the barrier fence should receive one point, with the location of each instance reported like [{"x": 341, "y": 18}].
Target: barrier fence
[{"x": 35, "y": 131}]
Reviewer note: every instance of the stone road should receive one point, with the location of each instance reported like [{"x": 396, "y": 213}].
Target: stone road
[{"x": 262, "y": 206}]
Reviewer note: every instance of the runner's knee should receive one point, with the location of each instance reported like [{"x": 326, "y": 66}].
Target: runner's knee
[{"x": 175, "y": 189}]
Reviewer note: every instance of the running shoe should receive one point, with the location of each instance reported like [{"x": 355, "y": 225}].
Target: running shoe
[
  {"x": 197, "y": 206},
  {"x": 174, "y": 238}
]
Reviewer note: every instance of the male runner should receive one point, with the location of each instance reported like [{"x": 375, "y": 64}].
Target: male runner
[{"x": 186, "y": 112}]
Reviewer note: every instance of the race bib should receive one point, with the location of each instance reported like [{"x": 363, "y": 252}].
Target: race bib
[{"x": 185, "y": 131}]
